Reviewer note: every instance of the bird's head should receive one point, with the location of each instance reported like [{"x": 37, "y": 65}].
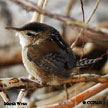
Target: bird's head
[{"x": 30, "y": 33}]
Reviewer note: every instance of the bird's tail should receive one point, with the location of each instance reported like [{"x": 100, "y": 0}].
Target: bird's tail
[{"x": 86, "y": 62}]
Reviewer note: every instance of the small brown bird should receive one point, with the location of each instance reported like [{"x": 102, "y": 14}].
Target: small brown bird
[{"x": 45, "y": 54}]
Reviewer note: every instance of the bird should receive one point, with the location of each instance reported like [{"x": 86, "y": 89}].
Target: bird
[{"x": 46, "y": 56}]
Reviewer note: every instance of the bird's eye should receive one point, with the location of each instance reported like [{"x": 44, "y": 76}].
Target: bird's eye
[{"x": 29, "y": 34}]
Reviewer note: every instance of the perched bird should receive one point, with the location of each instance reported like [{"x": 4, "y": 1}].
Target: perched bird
[{"x": 46, "y": 56}]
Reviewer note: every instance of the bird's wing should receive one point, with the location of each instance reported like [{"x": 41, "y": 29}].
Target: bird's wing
[{"x": 53, "y": 62}]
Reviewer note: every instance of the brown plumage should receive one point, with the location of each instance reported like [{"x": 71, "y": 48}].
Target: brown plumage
[{"x": 45, "y": 54}]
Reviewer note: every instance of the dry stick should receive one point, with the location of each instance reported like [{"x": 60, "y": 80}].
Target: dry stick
[
  {"x": 24, "y": 83},
  {"x": 36, "y": 15},
  {"x": 42, "y": 18},
  {"x": 5, "y": 97},
  {"x": 69, "y": 7},
  {"x": 82, "y": 7},
  {"x": 93, "y": 12},
  {"x": 20, "y": 96},
  {"x": 19, "y": 83},
  {"x": 80, "y": 97},
  {"x": 82, "y": 30}
]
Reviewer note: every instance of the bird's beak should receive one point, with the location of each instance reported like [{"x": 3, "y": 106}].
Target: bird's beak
[{"x": 12, "y": 28}]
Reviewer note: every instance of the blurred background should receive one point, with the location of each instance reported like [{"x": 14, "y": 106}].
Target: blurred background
[{"x": 13, "y": 15}]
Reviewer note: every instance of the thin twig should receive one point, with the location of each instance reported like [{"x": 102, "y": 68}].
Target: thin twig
[
  {"x": 20, "y": 96},
  {"x": 83, "y": 14},
  {"x": 5, "y": 97},
  {"x": 82, "y": 7},
  {"x": 82, "y": 30},
  {"x": 19, "y": 83},
  {"x": 93, "y": 12},
  {"x": 42, "y": 18},
  {"x": 36, "y": 15},
  {"x": 69, "y": 7}
]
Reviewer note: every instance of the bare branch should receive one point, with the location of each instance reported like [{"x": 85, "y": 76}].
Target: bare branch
[
  {"x": 94, "y": 10},
  {"x": 18, "y": 83},
  {"x": 36, "y": 14},
  {"x": 44, "y": 7},
  {"x": 5, "y": 97},
  {"x": 83, "y": 29},
  {"x": 22, "y": 83},
  {"x": 20, "y": 96},
  {"x": 69, "y": 7},
  {"x": 82, "y": 7}
]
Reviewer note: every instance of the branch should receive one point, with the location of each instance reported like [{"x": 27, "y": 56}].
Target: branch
[
  {"x": 83, "y": 29},
  {"x": 36, "y": 15},
  {"x": 94, "y": 10},
  {"x": 82, "y": 8},
  {"x": 20, "y": 97},
  {"x": 5, "y": 97},
  {"x": 24, "y": 83},
  {"x": 19, "y": 83},
  {"x": 69, "y": 7},
  {"x": 42, "y": 18}
]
